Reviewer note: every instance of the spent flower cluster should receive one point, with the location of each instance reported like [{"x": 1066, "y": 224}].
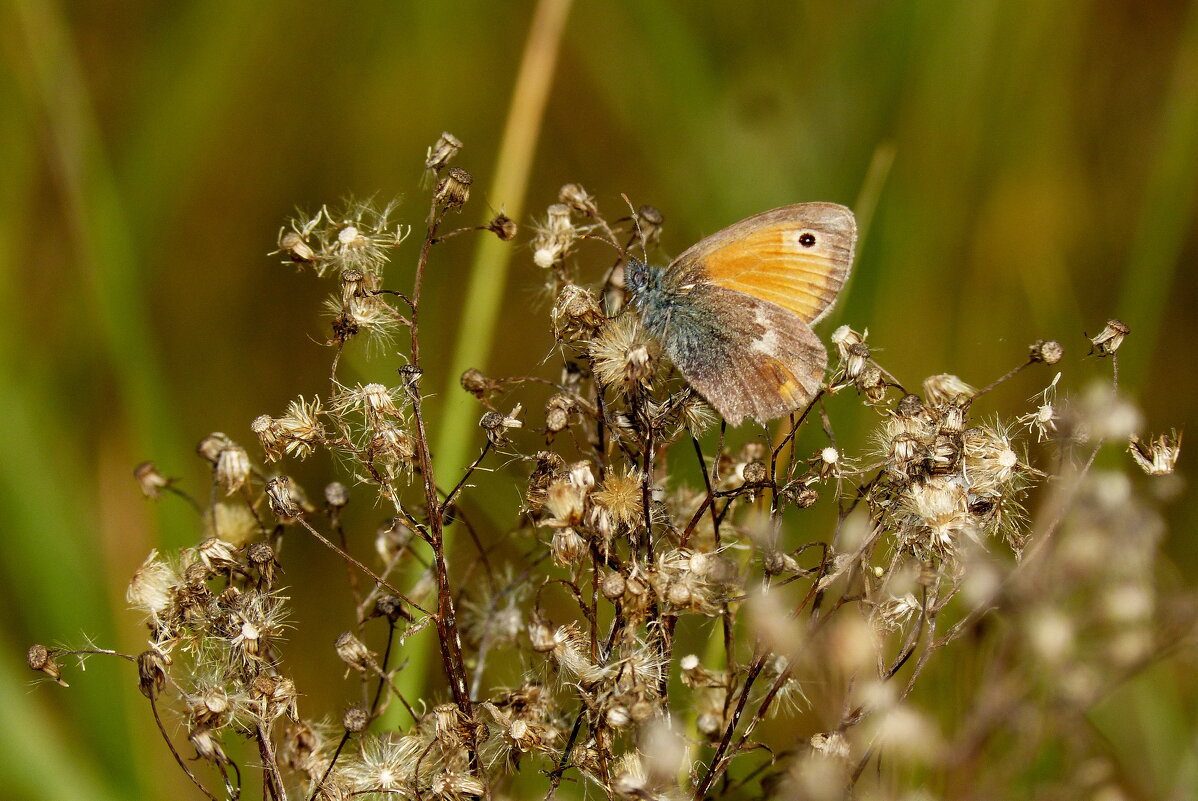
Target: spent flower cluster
[{"x": 671, "y": 610}]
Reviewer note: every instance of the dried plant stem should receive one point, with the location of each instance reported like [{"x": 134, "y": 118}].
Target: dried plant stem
[
  {"x": 1002, "y": 379},
  {"x": 179, "y": 759},
  {"x": 375, "y": 576},
  {"x": 448, "y": 637},
  {"x": 721, "y": 758},
  {"x": 273, "y": 780}
]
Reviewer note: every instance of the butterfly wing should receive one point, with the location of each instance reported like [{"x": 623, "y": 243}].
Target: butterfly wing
[
  {"x": 747, "y": 357},
  {"x": 797, "y": 257}
]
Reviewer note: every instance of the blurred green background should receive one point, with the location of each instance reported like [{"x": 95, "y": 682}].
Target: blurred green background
[{"x": 1024, "y": 169}]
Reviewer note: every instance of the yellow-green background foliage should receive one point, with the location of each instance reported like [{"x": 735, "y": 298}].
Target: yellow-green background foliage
[{"x": 1024, "y": 168}]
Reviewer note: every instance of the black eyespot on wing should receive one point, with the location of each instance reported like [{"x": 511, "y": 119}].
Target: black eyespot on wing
[{"x": 807, "y": 239}]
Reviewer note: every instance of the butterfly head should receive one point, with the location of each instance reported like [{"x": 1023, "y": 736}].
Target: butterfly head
[{"x": 636, "y": 277}]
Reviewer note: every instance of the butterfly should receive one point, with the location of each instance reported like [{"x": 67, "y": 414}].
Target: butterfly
[{"x": 734, "y": 311}]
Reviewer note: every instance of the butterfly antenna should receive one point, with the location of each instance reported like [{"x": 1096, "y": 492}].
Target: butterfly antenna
[{"x": 636, "y": 221}]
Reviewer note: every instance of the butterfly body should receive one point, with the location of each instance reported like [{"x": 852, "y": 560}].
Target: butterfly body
[{"x": 734, "y": 312}]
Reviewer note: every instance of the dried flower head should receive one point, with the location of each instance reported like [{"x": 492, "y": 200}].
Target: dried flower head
[
  {"x": 41, "y": 659},
  {"x": 497, "y": 425},
  {"x": 454, "y": 189},
  {"x": 1159, "y": 457},
  {"x": 649, "y": 223},
  {"x": 576, "y": 314},
  {"x": 1047, "y": 351},
  {"x": 1108, "y": 340},
  {"x": 503, "y": 227},
  {"x": 579, "y": 201},
  {"x": 441, "y": 152},
  {"x": 619, "y": 500},
  {"x": 624, "y": 356},
  {"x": 150, "y": 480},
  {"x": 945, "y": 388},
  {"x": 554, "y": 239}
]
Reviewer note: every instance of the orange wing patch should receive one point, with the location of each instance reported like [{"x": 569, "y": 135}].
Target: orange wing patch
[
  {"x": 804, "y": 283},
  {"x": 797, "y": 257}
]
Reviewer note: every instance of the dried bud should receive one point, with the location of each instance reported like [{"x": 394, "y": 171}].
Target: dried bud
[
  {"x": 151, "y": 589},
  {"x": 390, "y": 607},
  {"x": 209, "y": 707},
  {"x": 454, "y": 189},
  {"x": 442, "y": 152},
  {"x": 355, "y": 284},
  {"x": 909, "y": 406},
  {"x": 557, "y": 412},
  {"x": 409, "y": 376},
  {"x": 800, "y": 494},
  {"x": 650, "y": 221},
  {"x": 555, "y": 238},
  {"x": 150, "y": 480},
  {"x": 232, "y": 471},
  {"x": 612, "y": 587},
  {"x": 292, "y": 244},
  {"x": 856, "y": 360},
  {"x": 574, "y": 196},
  {"x": 568, "y": 546},
  {"x": 477, "y": 384},
  {"x": 151, "y": 673},
  {"x": 262, "y": 556},
  {"x": 872, "y": 384},
  {"x": 642, "y": 711},
  {"x": 906, "y": 457},
  {"x": 282, "y": 501},
  {"x": 954, "y": 415},
  {"x": 1110, "y": 338},
  {"x": 844, "y": 338},
  {"x": 208, "y": 746},
  {"x": 355, "y": 719},
  {"x": 543, "y": 635},
  {"x": 944, "y": 454},
  {"x": 755, "y": 472},
  {"x": 776, "y": 562},
  {"x": 623, "y": 355},
  {"x": 270, "y": 434},
  {"x": 277, "y": 694},
  {"x": 503, "y": 227},
  {"x": 1157, "y": 458},
  {"x": 945, "y": 388},
  {"x": 496, "y": 425},
  {"x": 211, "y": 446},
  {"x": 218, "y": 555},
  {"x": 336, "y": 495},
  {"x": 354, "y": 653},
  {"x": 576, "y": 314},
  {"x": 40, "y": 658},
  {"x": 1047, "y": 351}
]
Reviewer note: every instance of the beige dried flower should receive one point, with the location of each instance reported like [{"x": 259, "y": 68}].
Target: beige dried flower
[
  {"x": 1108, "y": 340},
  {"x": 946, "y": 388},
  {"x": 150, "y": 480},
  {"x": 554, "y": 239},
  {"x": 620, "y": 499},
  {"x": 576, "y": 314},
  {"x": 579, "y": 201},
  {"x": 152, "y": 586},
  {"x": 441, "y": 152},
  {"x": 624, "y": 356},
  {"x": 1159, "y": 457}
]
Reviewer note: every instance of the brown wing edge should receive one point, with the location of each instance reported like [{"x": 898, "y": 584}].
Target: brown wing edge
[{"x": 757, "y": 374}]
